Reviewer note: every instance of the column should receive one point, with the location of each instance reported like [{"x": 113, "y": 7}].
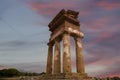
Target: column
[
  {"x": 79, "y": 57},
  {"x": 66, "y": 53},
  {"x": 49, "y": 59},
  {"x": 57, "y": 60}
]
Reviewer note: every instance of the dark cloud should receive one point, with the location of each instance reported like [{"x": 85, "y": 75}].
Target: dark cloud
[
  {"x": 13, "y": 43},
  {"x": 16, "y": 45}
]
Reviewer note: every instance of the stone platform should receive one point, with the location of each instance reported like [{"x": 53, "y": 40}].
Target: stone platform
[{"x": 62, "y": 76}]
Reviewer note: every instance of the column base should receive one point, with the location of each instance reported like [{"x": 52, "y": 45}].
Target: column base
[{"x": 63, "y": 76}]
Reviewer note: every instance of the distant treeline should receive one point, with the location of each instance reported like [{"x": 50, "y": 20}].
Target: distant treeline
[{"x": 14, "y": 73}]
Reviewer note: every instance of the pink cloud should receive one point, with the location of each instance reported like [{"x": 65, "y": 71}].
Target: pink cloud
[
  {"x": 49, "y": 8},
  {"x": 100, "y": 23},
  {"x": 107, "y": 62},
  {"x": 3, "y": 67},
  {"x": 112, "y": 75},
  {"x": 103, "y": 36},
  {"x": 85, "y": 13},
  {"x": 101, "y": 27},
  {"x": 101, "y": 69},
  {"x": 108, "y": 5}
]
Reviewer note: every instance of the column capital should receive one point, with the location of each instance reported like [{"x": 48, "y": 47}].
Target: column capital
[
  {"x": 80, "y": 35},
  {"x": 77, "y": 38},
  {"x": 50, "y": 44},
  {"x": 66, "y": 33},
  {"x": 58, "y": 39}
]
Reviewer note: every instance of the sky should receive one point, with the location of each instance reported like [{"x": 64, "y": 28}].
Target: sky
[{"x": 24, "y": 34}]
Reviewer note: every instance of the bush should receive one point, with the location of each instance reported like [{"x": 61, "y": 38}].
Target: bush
[{"x": 9, "y": 72}]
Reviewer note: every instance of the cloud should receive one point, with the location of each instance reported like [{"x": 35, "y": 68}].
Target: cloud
[
  {"x": 23, "y": 42},
  {"x": 3, "y": 67},
  {"x": 101, "y": 44},
  {"x": 47, "y": 9},
  {"x": 104, "y": 67},
  {"x": 50, "y": 8},
  {"x": 16, "y": 45},
  {"x": 109, "y": 5},
  {"x": 101, "y": 52},
  {"x": 112, "y": 69}
]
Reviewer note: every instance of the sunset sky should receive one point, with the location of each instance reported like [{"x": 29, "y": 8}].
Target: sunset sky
[{"x": 24, "y": 34}]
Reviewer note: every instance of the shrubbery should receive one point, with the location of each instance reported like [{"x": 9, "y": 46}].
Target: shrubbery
[
  {"x": 9, "y": 72},
  {"x": 14, "y": 72}
]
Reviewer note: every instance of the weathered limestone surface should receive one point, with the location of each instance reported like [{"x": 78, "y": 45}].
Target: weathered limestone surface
[
  {"x": 57, "y": 77},
  {"x": 49, "y": 59},
  {"x": 79, "y": 57},
  {"x": 64, "y": 76},
  {"x": 57, "y": 60},
  {"x": 66, "y": 54}
]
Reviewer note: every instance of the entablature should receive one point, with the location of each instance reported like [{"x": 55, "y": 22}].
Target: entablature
[{"x": 70, "y": 16}]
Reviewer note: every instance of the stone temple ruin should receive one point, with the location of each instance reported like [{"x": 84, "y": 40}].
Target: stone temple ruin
[{"x": 64, "y": 25}]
